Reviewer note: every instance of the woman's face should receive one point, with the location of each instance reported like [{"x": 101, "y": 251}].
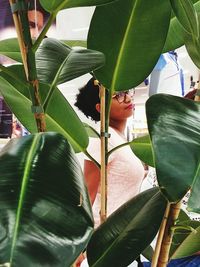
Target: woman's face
[
  {"x": 36, "y": 21},
  {"x": 122, "y": 106}
]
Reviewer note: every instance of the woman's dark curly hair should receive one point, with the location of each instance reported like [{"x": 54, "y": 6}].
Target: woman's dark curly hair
[{"x": 87, "y": 98}]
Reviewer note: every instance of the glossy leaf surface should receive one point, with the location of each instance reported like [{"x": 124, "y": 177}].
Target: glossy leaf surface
[
  {"x": 52, "y": 6},
  {"x": 174, "y": 124},
  {"x": 46, "y": 217},
  {"x": 10, "y": 48},
  {"x": 177, "y": 36},
  {"x": 192, "y": 47},
  {"x": 128, "y": 231},
  {"x": 60, "y": 117},
  {"x": 131, "y": 34},
  {"x": 57, "y": 63},
  {"x": 142, "y": 148},
  {"x": 187, "y": 16}
]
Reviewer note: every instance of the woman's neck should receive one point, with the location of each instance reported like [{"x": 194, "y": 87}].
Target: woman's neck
[{"x": 118, "y": 125}]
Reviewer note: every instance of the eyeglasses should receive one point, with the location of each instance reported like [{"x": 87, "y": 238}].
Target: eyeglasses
[{"x": 122, "y": 96}]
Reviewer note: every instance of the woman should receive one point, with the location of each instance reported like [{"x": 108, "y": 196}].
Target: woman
[{"x": 125, "y": 171}]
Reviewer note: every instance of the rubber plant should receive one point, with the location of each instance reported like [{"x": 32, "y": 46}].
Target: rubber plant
[
  {"x": 44, "y": 221},
  {"x": 57, "y": 221},
  {"x": 117, "y": 74}
]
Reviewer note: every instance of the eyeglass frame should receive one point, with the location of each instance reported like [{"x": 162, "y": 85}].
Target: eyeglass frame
[{"x": 124, "y": 94}]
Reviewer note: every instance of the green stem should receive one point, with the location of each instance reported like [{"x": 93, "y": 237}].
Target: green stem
[
  {"x": 160, "y": 237},
  {"x": 44, "y": 31},
  {"x": 117, "y": 147},
  {"x": 48, "y": 25},
  {"x": 168, "y": 235},
  {"x": 103, "y": 170},
  {"x": 90, "y": 157},
  {"x": 183, "y": 227},
  {"x": 30, "y": 66}
]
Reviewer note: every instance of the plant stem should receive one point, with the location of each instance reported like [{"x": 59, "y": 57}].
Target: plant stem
[
  {"x": 22, "y": 27},
  {"x": 117, "y": 147},
  {"x": 168, "y": 234},
  {"x": 103, "y": 211},
  {"x": 160, "y": 236},
  {"x": 18, "y": 28},
  {"x": 44, "y": 31},
  {"x": 92, "y": 159}
]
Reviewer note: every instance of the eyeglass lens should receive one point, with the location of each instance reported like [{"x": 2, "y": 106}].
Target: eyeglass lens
[{"x": 122, "y": 96}]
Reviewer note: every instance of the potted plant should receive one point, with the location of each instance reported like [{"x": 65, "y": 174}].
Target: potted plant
[{"x": 46, "y": 214}]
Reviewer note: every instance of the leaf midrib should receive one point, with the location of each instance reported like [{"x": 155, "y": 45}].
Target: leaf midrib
[
  {"x": 25, "y": 180},
  {"x": 115, "y": 74},
  {"x": 121, "y": 233}
]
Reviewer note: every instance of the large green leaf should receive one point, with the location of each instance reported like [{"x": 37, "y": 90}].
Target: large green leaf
[
  {"x": 58, "y": 63},
  {"x": 46, "y": 217},
  {"x": 142, "y": 148},
  {"x": 187, "y": 15},
  {"x": 193, "y": 50},
  {"x": 10, "y": 48},
  {"x": 185, "y": 242},
  {"x": 174, "y": 124},
  {"x": 131, "y": 34},
  {"x": 52, "y": 6},
  {"x": 193, "y": 46},
  {"x": 128, "y": 231},
  {"x": 177, "y": 36},
  {"x": 59, "y": 115}
]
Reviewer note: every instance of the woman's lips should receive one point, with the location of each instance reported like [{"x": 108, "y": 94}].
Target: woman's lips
[{"x": 131, "y": 106}]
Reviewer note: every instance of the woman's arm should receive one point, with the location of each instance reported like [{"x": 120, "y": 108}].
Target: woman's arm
[{"x": 92, "y": 178}]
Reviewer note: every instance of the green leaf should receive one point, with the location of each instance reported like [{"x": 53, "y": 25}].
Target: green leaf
[
  {"x": 186, "y": 244},
  {"x": 72, "y": 43},
  {"x": 193, "y": 51},
  {"x": 10, "y": 48},
  {"x": 187, "y": 16},
  {"x": 142, "y": 148},
  {"x": 131, "y": 34},
  {"x": 128, "y": 231},
  {"x": 58, "y": 63},
  {"x": 183, "y": 216},
  {"x": 193, "y": 202},
  {"x": 16, "y": 93},
  {"x": 46, "y": 217},
  {"x": 174, "y": 124},
  {"x": 52, "y": 6},
  {"x": 177, "y": 36},
  {"x": 91, "y": 131},
  {"x": 193, "y": 47}
]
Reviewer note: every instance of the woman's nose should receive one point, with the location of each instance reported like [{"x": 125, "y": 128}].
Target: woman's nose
[{"x": 128, "y": 98}]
